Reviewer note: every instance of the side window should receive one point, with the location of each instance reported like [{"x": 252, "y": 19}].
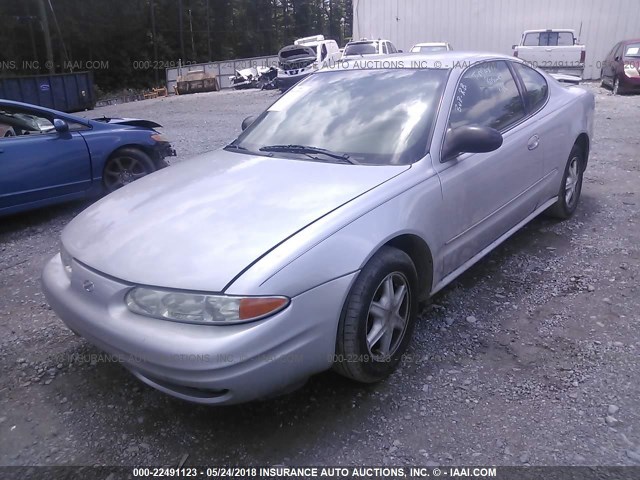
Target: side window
[
  {"x": 77, "y": 127},
  {"x": 384, "y": 47},
  {"x": 18, "y": 123},
  {"x": 487, "y": 95},
  {"x": 535, "y": 85},
  {"x": 619, "y": 51},
  {"x": 565, "y": 39},
  {"x": 531, "y": 40},
  {"x": 323, "y": 52},
  {"x": 392, "y": 48}
]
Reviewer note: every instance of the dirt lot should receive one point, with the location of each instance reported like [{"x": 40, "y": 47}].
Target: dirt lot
[{"x": 529, "y": 358}]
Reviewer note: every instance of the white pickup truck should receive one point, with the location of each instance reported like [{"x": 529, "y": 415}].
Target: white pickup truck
[{"x": 554, "y": 50}]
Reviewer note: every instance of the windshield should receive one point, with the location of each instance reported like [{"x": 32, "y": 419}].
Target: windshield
[
  {"x": 632, "y": 50},
  {"x": 370, "y": 48},
  {"x": 373, "y": 116},
  {"x": 429, "y": 49}
]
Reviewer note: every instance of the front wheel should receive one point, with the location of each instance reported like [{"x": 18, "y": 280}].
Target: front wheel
[
  {"x": 125, "y": 166},
  {"x": 571, "y": 187},
  {"x": 616, "y": 86},
  {"x": 378, "y": 318}
]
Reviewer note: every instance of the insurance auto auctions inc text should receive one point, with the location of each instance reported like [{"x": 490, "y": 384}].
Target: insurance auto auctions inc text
[{"x": 375, "y": 472}]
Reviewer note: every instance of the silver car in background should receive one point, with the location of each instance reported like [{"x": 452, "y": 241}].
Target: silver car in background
[{"x": 307, "y": 243}]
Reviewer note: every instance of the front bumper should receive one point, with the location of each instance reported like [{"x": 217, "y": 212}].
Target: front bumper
[
  {"x": 164, "y": 149},
  {"x": 201, "y": 363},
  {"x": 629, "y": 84}
]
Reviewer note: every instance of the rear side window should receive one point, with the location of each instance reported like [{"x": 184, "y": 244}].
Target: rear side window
[
  {"x": 535, "y": 85},
  {"x": 487, "y": 95}
]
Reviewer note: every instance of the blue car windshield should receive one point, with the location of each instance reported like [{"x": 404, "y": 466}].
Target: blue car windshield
[{"x": 382, "y": 117}]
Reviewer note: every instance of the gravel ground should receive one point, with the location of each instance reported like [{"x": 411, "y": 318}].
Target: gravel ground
[{"x": 529, "y": 358}]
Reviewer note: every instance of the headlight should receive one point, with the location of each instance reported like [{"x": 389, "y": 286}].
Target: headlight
[
  {"x": 200, "y": 308},
  {"x": 631, "y": 71},
  {"x": 158, "y": 137},
  {"x": 66, "y": 260}
]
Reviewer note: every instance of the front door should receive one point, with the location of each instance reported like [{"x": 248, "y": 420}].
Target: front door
[
  {"x": 486, "y": 194},
  {"x": 37, "y": 162}
]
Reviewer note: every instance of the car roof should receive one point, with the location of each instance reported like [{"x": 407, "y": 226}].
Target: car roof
[
  {"x": 544, "y": 30},
  {"x": 633, "y": 40},
  {"x": 52, "y": 112},
  {"x": 431, "y": 44},
  {"x": 446, "y": 60},
  {"x": 372, "y": 40}
]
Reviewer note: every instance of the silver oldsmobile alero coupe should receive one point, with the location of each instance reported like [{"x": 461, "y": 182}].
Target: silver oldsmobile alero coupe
[{"x": 307, "y": 243}]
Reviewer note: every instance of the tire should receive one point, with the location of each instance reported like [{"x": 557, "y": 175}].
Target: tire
[
  {"x": 602, "y": 82},
  {"x": 366, "y": 311},
  {"x": 125, "y": 166},
  {"x": 567, "y": 203},
  {"x": 615, "y": 88}
]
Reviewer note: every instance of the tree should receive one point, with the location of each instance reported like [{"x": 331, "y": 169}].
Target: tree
[{"x": 117, "y": 35}]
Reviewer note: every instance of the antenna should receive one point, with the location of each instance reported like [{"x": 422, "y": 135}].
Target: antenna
[{"x": 580, "y": 32}]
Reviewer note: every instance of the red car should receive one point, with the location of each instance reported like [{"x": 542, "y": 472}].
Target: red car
[{"x": 621, "y": 69}]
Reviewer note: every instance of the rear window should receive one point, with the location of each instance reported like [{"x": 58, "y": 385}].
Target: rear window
[
  {"x": 370, "y": 48},
  {"x": 548, "y": 39},
  {"x": 632, "y": 50},
  {"x": 429, "y": 49}
]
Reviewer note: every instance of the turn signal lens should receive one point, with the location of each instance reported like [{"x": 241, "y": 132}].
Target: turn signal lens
[
  {"x": 66, "y": 260},
  {"x": 631, "y": 71},
  {"x": 158, "y": 137},
  {"x": 259, "y": 307}
]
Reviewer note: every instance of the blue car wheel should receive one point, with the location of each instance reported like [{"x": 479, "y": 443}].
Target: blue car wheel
[{"x": 125, "y": 166}]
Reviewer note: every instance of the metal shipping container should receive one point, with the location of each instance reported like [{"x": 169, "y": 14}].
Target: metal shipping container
[
  {"x": 496, "y": 25},
  {"x": 67, "y": 92}
]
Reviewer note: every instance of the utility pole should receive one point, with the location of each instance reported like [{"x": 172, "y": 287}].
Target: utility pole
[
  {"x": 193, "y": 44},
  {"x": 208, "y": 33},
  {"x": 155, "y": 42},
  {"x": 47, "y": 36},
  {"x": 32, "y": 37},
  {"x": 55, "y": 21},
  {"x": 330, "y": 17},
  {"x": 181, "y": 33}
]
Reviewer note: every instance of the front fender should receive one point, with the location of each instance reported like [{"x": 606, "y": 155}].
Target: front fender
[{"x": 343, "y": 243}]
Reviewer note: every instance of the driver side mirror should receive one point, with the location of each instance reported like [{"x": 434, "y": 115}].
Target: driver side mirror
[
  {"x": 470, "y": 139},
  {"x": 248, "y": 121},
  {"x": 60, "y": 126}
]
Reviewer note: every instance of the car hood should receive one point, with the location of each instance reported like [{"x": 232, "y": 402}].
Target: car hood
[
  {"x": 132, "y": 122},
  {"x": 197, "y": 225}
]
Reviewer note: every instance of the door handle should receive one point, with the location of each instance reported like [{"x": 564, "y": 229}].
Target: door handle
[{"x": 533, "y": 142}]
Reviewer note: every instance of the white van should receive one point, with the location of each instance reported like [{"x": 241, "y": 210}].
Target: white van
[{"x": 305, "y": 56}]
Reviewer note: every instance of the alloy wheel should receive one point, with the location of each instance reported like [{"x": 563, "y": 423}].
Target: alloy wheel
[
  {"x": 388, "y": 316},
  {"x": 572, "y": 183},
  {"x": 123, "y": 170}
]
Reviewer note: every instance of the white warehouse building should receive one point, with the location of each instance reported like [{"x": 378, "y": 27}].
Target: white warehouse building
[{"x": 497, "y": 25}]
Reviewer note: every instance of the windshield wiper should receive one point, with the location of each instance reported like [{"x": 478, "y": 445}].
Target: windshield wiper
[
  {"x": 232, "y": 146},
  {"x": 307, "y": 150}
]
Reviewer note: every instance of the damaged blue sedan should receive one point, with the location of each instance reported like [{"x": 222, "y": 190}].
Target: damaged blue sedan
[{"x": 49, "y": 157}]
